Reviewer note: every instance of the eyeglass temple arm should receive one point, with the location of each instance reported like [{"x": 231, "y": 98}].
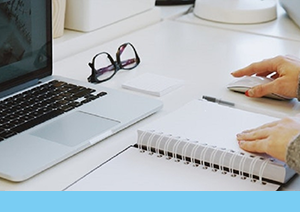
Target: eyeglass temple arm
[
  {"x": 112, "y": 67},
  {"x": 128, "y": 62}
]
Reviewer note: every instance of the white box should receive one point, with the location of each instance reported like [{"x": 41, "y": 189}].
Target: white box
[{"x": 88, "y": 15}]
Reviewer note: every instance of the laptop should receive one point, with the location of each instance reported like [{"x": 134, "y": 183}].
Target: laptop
[{"x": 40, "y": 124}]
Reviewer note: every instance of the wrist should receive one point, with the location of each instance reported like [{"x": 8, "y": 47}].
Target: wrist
[{"x": 298, "y": 89}]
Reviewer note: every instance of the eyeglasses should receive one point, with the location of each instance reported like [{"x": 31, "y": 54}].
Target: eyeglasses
[{"x": 104, "y": 67}]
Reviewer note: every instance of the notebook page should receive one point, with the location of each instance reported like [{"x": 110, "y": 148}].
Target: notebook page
[
  {"x": 209, "y": 123},
  {"x": 136, "y": 171}
]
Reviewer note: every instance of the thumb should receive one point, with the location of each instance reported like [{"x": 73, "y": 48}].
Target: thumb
[{"x": 260, "y": 90}]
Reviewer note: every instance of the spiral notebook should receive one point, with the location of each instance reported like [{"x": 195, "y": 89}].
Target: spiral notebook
[{"x": 193, "y": 148}]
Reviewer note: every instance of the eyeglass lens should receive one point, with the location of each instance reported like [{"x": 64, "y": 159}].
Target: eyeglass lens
[
  {"x": 104, "y": 67},
  {"x": 127, "y": 56}
]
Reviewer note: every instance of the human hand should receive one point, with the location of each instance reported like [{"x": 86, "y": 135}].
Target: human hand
[
  {"x": 284, "y": 70},
  {"x": 272, "y": 138}
]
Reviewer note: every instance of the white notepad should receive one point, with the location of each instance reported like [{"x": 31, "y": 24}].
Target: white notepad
[{"x": 153, "y": 84}]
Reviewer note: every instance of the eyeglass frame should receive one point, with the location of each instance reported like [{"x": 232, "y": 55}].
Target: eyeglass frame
[{"x": 117, "y": 64}]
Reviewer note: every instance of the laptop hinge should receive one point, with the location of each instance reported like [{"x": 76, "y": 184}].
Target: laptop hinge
[{"x": 18, "y": 88}]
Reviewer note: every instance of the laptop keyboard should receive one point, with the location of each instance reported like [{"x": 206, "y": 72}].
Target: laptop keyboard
[{"x": 32, "y": 107}]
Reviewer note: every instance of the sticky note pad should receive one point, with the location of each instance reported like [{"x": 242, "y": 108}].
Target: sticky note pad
[{"x": 153, "y": 84}]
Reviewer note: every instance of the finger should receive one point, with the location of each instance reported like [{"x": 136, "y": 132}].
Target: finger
[
  {"x": 254, "y": 135},
  {"x": 267, "y": 66},
  {"x": 265, "y": 126},
  {"x": 262, "y": 90},
  {"x": 259, "y": 146}
]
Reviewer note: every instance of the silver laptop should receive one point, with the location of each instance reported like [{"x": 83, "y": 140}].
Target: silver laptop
[{"x": 41, "y": 122}]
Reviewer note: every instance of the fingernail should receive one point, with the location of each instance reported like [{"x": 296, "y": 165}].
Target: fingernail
[
  {"x": 241, "y": 142},
  {"x": 249, "y": 93}
]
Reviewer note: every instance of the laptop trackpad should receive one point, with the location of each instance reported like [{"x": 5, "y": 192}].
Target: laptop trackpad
[{"x": 74, "y": 128}]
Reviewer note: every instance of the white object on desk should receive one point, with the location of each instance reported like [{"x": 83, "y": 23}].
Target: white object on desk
[
  {"x": 88, "y": 15},
  {"x": 292, "y": 9},
  {"x": 245, "y": 83},
  {"x": 236, "y": 11},
  {"x": 153, "y": 84},
  {"x": 206, "y": 132},
  {"x": 282, "y": 27}
]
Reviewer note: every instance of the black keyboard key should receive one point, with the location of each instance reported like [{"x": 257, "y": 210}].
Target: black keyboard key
[
  {"x": 67, "y": 108},
  {"x": 7, "y": 134},
  {"x": 82, "y": 93},
  {"x": 7, "y": 125},
  {"x": 16, "y": 122},
  {"x": 102, "y": 94},
  {"x": 26, "y": 118}
]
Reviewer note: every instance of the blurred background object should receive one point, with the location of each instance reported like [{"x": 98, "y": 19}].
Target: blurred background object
[
  {"x": 58, "y": 17},
  {"x": 236, "y": 11},
  {"x": 89, "y": 15},
  {"x": 173, "y": 2},
  {"x": 292, "y": 8}
]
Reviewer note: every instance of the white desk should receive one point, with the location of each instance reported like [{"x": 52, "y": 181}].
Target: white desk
[{"x": 202, "y": 56}]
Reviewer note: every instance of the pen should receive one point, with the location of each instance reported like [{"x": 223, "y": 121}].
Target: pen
[
  {"x": 245, "y": 107},
  {"x": 219, "y": 101}
]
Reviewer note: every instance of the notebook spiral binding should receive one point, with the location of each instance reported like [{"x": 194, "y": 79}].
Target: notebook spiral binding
[{"x": 204, "y": 155}]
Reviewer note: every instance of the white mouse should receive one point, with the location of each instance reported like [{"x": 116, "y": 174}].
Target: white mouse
[{"x": 245, "y": 83}]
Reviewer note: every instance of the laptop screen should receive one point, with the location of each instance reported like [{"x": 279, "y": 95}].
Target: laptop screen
[{"x": 25, "y": 41}]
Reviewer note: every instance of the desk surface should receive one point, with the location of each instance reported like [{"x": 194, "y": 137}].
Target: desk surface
[{"x": 202, "y": 56}]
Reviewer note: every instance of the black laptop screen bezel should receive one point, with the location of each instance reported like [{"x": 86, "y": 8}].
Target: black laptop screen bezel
[{"x": 39, "y": 73}]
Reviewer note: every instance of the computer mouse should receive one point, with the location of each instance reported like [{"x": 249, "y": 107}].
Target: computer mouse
[{"x": 245, "y": 83}]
